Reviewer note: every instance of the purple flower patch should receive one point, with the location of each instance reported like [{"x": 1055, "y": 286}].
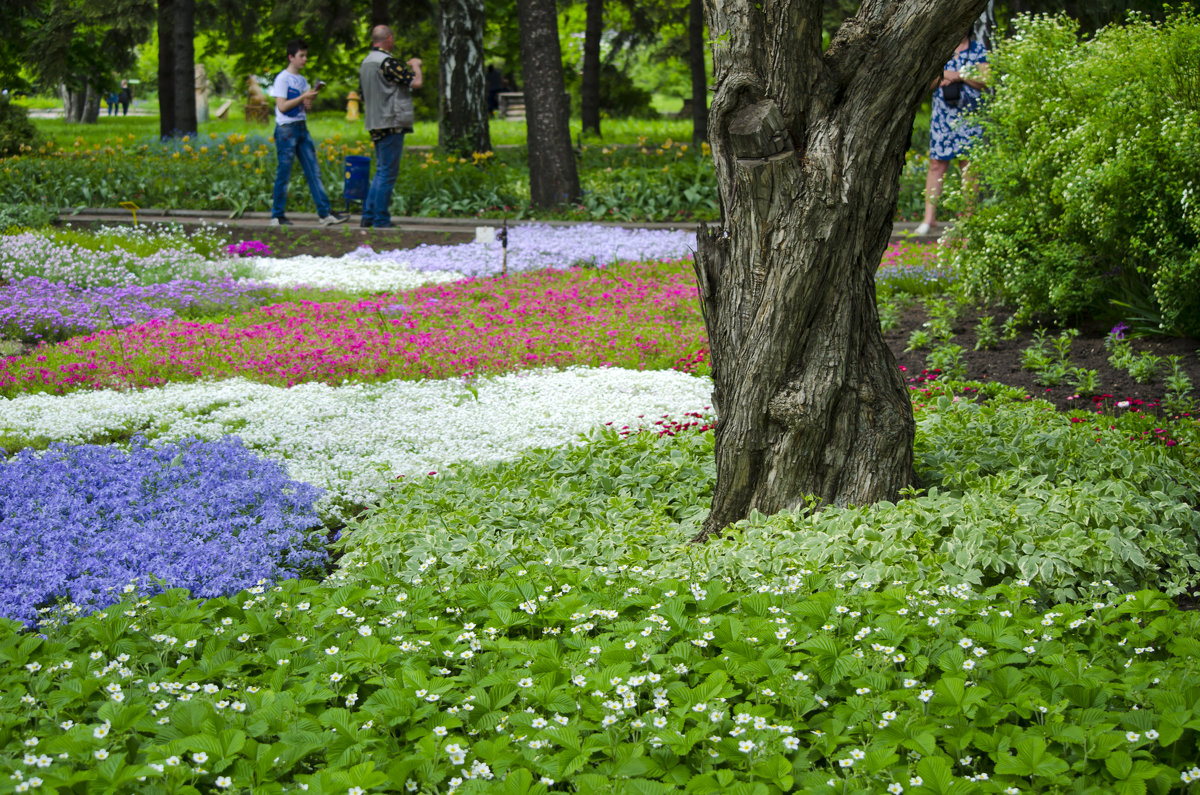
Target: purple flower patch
[
  {"x": 79, "y": 523},
  {"x": 37, "y": 310}
]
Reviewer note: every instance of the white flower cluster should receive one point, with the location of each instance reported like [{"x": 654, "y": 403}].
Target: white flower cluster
[
  {"x": 349, "y": 272},
  {"x": 357, "y": 440}
]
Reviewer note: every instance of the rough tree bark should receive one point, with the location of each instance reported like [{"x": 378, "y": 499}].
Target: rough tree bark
[
  {"x": 80, "y": 105},
  {"x": 808, "y": 147},
  {"x": 463, "y": 117},
  {"x": 553, "y": 176},
  {"x": 184, "y": 42},
  {"x": 166, "y": 69},
  {"x": 589, "y": 86},
  {"x": 696, "y": 67}
]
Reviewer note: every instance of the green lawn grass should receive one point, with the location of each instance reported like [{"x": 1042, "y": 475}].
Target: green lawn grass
[{"x": 332, "y": 123}]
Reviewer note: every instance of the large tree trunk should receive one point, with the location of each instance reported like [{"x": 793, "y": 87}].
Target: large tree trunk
[
  {"x": 74, "y": 100},
  {"x": 91, "y": 103},
  {"x": 808, "y": 149},
  {"x": 589, "y": 87},
  {"x": 696, "y": 67},
  {"x": 553, "y": 177},
  {"x": 463, "y": 121},
  {"x": 166, "y": 69},
  {"x": 184, "y": 42}
]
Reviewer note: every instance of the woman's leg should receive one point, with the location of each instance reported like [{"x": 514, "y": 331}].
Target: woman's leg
[{"x": 933, "y": 189}]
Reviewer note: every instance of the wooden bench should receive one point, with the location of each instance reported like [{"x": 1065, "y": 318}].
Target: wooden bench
[
  {"x": 222, "y": 112},
  {"x": 512, "y": 105}
]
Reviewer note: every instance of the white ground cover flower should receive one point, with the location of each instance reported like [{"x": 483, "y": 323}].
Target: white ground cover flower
[
  {"x": 356, "y": 440},
  {"x": 351, "y": 271}
]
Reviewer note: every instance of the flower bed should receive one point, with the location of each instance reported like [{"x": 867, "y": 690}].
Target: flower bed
[
  {"x": 34, "y": 309},
  {"x": 80, "y": 522},
  {"x": 636, "y": 315}
]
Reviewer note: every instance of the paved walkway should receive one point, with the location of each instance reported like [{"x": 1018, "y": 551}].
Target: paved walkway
[{"x": 308, "y": 221}]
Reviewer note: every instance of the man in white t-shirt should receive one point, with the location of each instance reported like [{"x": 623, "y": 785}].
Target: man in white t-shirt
[{"x": 293, "y": 98}]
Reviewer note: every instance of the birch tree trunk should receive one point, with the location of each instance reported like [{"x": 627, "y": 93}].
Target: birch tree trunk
[
  {"x": 462, "y": 101},
  {"x": 553, "y": 176},
  {"x": 808, "y": 147}
]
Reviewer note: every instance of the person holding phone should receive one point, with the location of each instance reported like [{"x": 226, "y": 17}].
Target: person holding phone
[{"x": 293, "y": 98}]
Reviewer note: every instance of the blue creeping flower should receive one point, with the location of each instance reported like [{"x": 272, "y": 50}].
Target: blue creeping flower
[{"x": 78, "y": 523}]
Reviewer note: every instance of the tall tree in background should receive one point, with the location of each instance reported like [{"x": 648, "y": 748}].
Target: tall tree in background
[
  {"x": 553, "y": 177},
  {"x": 183, "y": 41},
  {"x": 76, "y": 45},
  {"x": 589, "y": 88},
  {"x": 696, "y": 45},
  {"x": 463, "y": 112},
  {"x": 808, "y": 146},
  {"x": 166, "y": 69}
]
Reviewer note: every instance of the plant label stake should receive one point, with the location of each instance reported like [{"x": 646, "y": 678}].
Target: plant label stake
[{"x": 131, "y": 207}]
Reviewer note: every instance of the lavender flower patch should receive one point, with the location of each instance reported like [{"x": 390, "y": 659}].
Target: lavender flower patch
[
  {"x": 538, "y": 246},
  {"x": 81, "y": 523},
  {"x": 35, "y": 310}
]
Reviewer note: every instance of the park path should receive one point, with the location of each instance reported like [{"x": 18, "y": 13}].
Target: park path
[{"x": 402, "y": 224}]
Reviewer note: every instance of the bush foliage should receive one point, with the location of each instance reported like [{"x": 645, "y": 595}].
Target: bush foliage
[
  {"x": 16, "y": 130},
  {"x": 1090, "y": 154}
]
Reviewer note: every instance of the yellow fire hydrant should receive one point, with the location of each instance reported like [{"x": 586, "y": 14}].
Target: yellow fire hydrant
[{"x": 352, "y": 106}]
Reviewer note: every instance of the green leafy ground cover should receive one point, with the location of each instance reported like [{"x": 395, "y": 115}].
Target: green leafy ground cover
[{"x": 545, "y": 626}]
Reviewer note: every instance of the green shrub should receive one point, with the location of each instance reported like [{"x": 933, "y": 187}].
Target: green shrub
[
  {"x": 16, "y": 130},
  {"x": 1091, "y": 152},
  {"x": 26, "y": 216}
]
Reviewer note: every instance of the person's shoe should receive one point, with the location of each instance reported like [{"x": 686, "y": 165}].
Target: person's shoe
[
  {"x": 922, "y": 229},
  {"x": 279, "y": 220},
  {"x": 388, "y": 225},
  {"x": 365, "y": 224},
  {"x": 332, "y": 218}
]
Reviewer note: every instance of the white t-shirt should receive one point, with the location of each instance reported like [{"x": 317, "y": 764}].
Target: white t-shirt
[{"x": 289, "y": 86}]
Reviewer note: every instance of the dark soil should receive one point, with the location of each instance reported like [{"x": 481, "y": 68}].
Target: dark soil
[
  {"x": 338, "y": 240},
  {"x": 1002, "y": 362}
]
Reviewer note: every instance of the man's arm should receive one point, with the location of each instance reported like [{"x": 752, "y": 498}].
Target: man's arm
[{"x": 402, "y": 74}]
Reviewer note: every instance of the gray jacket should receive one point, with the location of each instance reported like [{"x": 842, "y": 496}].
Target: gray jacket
[{"x": 385, "y": 104}]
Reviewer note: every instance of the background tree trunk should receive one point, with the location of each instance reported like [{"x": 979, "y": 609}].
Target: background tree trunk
[
  {"x": 166, "y": 69},
  {"x": 184, "y": 42},
  {"x": 91, "y": 102},
  {"x": 553, "y": 177},
  {"x": 808, "y": 147},
  {"x": 381, "y": 14},
  {"x": 589, "y": 87},
  {"x": 463, "y": 119},
  {"x": 696, "y": 67}
]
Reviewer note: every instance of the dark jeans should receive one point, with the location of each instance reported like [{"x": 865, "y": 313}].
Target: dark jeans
[
  {"x": 377, "y": 207},
  {"x": 293, "y": 141}
]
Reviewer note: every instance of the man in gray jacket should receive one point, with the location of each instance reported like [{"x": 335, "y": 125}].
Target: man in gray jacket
[{"x": 388, "y": 113}]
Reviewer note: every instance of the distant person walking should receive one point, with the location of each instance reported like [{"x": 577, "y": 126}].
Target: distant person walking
[
  {"x": 110, "y": 99},
  {"x": 125, "y": 96},
  {"x": 293, "y": 98},
  {"x": 386, "y": 85}
]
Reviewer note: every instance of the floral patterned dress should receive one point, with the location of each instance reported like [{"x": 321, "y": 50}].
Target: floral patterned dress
[{"x": 950, "y": 129}]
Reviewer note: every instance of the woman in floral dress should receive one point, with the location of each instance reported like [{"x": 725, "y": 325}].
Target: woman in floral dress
[{"x": 951, "y": 130}]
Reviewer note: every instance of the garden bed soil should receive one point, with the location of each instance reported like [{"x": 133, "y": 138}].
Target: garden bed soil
[
  {"x": 1002, "y": 362},
  {"x": 337, "y": 240}
]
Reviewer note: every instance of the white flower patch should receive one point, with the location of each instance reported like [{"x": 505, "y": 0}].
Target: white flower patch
[
  {"x": 356, "y": 440},
  {"x": 352, "y": 272}
]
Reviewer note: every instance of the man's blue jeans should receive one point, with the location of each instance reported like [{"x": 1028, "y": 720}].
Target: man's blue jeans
[
  {"x": 377, "y": 207},
  {"x": 293, "y": 141}
]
